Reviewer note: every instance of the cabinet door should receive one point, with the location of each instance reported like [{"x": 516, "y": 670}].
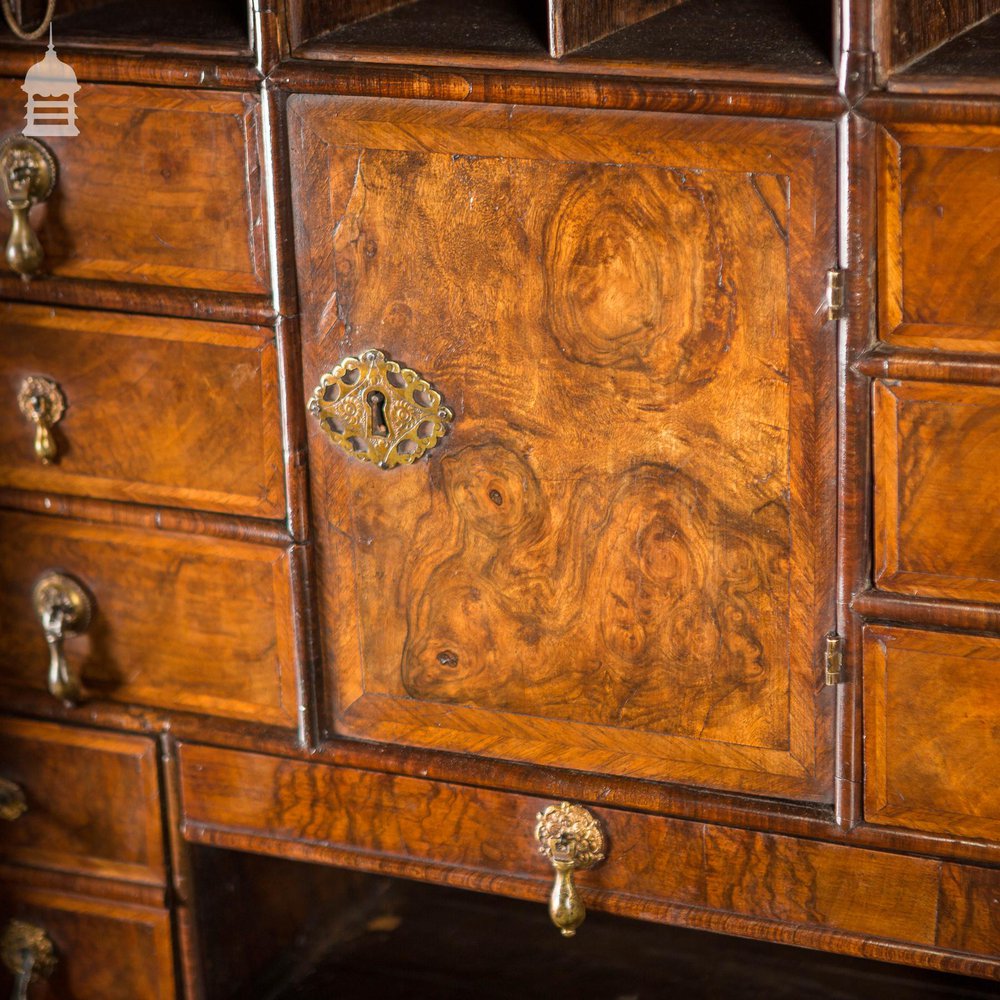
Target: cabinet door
[{"x": 620, "y": 556}]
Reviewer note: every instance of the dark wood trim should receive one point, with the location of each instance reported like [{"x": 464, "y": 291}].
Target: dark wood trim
[
  {"x": 929, "y": 366},
  {"x": 933, "y": 612}
]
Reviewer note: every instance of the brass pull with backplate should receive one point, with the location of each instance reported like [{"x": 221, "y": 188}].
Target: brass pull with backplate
[
  {"x": 571, "y": 838},
  {"x": 64, "y": 609},
  {"x": 28, "y": 953},
  {"x": 42, "y": 403},
  {"x": 28, "y": 175},
  {"x": 13, "y": 804}
]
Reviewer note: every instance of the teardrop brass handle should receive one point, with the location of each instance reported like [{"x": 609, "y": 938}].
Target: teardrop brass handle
[
  {"x": 572, "y": 839},
  {"x": 28, "y": 175},
  {"x": 42, "y": 403},
  {"x": 28, "y": 953},
  {"x": 13, "y": 804},
  {"x": 64, "y": 609}
]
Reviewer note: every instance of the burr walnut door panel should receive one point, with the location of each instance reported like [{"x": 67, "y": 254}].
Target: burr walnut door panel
[
  {"x": 619, "y": 558},
  {"x": 932, "y": 731},
  {"x": 180, "y": 622},
  {"x": 156, "y": 410},
  {"x": 161, "y": 187},
  {"x": 939, "y": 237}
]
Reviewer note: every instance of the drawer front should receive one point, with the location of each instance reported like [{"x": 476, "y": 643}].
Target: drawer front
[
  {"x": 103, "y": 950},
  {"x": 179, "y": 621},
  {"x": 92, "y": 801},
  {"x": 155, "y": 411},
  {"x": 656, "y": 867},
  {"x": 932, "y": 731},
  {"x": 936, "y": 484},
  {"x": 170, "y": 212},
  {"x": 939, "y": 237},
  {"x": 618, "y": 558}
]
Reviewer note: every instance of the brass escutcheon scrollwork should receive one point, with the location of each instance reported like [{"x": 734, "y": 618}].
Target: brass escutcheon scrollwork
[
  {"x": 378, "y": 411},
  {"x": 572, "y": 839}
]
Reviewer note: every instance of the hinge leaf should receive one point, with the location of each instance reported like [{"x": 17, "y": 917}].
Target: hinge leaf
[
  {"x": 835, "y": 296},
  {"x": 833, "y": 658}
]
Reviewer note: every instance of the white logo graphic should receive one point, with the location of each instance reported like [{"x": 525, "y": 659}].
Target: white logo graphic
[{"x": 50, "y": 85}]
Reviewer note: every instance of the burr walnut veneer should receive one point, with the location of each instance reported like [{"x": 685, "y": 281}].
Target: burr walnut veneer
[{"x": 543, "y": 449}]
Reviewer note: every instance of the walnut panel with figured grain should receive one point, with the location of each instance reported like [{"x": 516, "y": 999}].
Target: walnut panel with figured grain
[{"x": 617, "y": 560}]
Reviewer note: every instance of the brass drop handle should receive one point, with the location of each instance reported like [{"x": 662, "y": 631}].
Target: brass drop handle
[
  {"x": 13, "y": 804},
  {"x": 42, "y": 404},
  {"x": 28, "y": 176},
  {"x": 64, "y": 610},
  {"x": 572, "y": 839},
  {"x": 28, "y": 953}
]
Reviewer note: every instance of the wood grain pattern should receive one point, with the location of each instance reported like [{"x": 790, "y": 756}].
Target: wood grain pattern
[
  {"x": 169, "y": 213},
  {"x": 660, "y": 867},
  {"x": 93, "y": 801},
  {"x": 182, "y": 622},
  {"x": 932, "y": 731},
  {"x": 595, "y": 569},
  {"x": 159, "y": 411},
  {"x": 935, "y": 479},
  {"x": 969, "y": 916},
  {"x": 106, "y": 950},
  {"x": 939, "y": 220},
  {"x": 907, "y": 29},
  {"x": 577, "y": 23}
]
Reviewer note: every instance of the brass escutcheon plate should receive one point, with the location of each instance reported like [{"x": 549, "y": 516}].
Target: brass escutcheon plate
[
  {"x": 379, "y": 412},
  {"x": 24, "y": 158}
]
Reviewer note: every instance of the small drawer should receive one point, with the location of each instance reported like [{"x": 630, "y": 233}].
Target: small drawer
[
  {"x": 176, "y": 621},
  {"x": 479, "y": 838},
  {"x": 100, "y": 949},
  {"x": 90, "y": 801},
  {"x": 932, "y": 731},
  {"x": 134, "y": 204},
  {"x": 134, "y": 408},
  {"x": 939, "y": 237},
  {"x": 936, "y": 483}
]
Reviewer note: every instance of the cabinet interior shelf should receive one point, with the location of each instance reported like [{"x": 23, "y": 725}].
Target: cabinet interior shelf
[{"x": 763, "y": 40}]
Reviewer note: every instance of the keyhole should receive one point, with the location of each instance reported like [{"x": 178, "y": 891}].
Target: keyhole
[{"x": 376, "y": 403}]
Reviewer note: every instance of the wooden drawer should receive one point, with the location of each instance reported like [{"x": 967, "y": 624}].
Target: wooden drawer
[
  {"x": 939, "y": 237},
  {"x": 92, "y": 801},
  {"x": 618, "y": 560},
  {"x": 932, "y": 731},
  {"x": 105, "y": 950},
  {"x": 156, "y": 411},
  {"x": 936, "y": 484},
  {"x": 155, "y": 210},
  {"x": 733, "y": 880},
  {"x": 179, "y": 622}
]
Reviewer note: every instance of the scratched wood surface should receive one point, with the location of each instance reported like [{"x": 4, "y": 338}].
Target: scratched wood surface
[{"x": 597, "y": 567}]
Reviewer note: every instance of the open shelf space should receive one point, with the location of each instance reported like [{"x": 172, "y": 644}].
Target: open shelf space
[
  {"x": 218, "y": 27},
  {"x": 328, "y": 932},
  {"x": 969, "y": 63},
  {"x": 758, "y": 40}
]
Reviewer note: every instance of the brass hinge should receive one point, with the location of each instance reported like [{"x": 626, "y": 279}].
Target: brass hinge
[
  {"x": 835, "y": 294},
  {"x": 833, "y": 659}
]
